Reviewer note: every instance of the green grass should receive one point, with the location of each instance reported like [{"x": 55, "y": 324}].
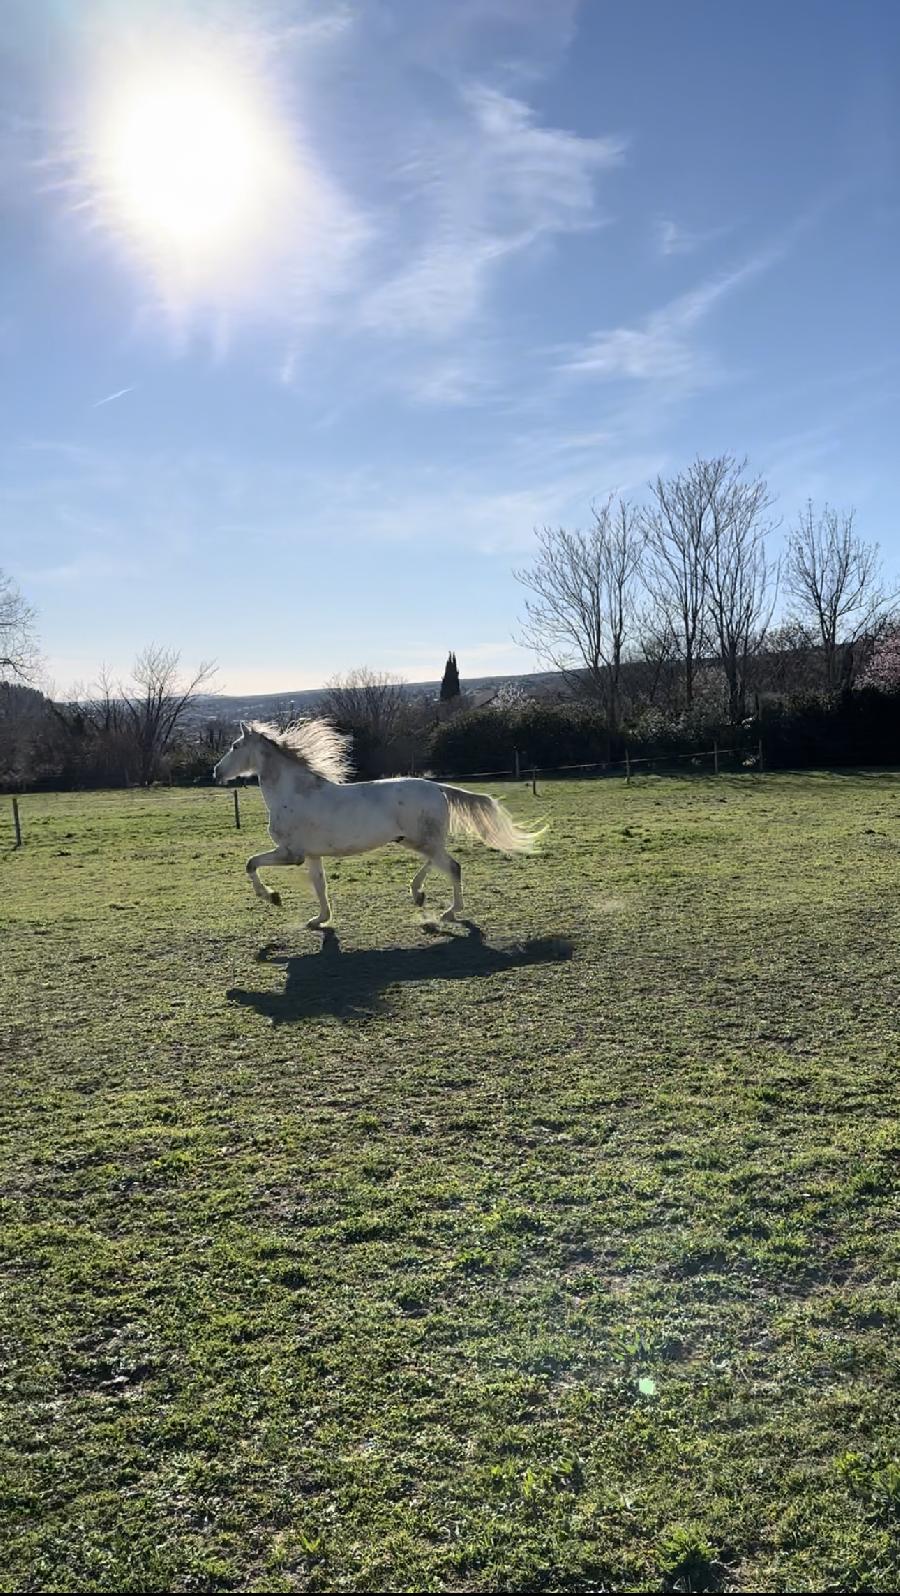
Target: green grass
[{"x": 561, "y": 1257}]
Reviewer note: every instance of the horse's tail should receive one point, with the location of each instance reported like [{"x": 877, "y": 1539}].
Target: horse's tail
[{"x": 474, "y": 814}]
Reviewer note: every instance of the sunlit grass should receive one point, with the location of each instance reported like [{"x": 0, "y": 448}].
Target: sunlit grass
[{"x": 455, "y": 1264}]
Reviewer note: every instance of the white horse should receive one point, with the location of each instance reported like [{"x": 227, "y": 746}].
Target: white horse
[{"x": 314, "y": 811}]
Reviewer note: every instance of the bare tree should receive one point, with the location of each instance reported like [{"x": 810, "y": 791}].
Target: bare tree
[
  {"x": 282, "y": 714},
  {"x": 709, "y": 577},
  {"x": 624, "y": 553},
  {"x": 155, "y": 704},
  {"x": 366, "y": 700},
  {"x": 678, "y": 526},
  {"x": 19, "y": 658},
  {"x": 104, "y": 706},
  {"x": 657, "y": 656},
  {"x": 25, "y": 722},
  {"x": 789, "y": 665},
  {"x": 581, "y": 615},
  {"x": 836, "y": 582},
  {"x": 98, "y": 719},
  {"x": 741, "y": 578}
]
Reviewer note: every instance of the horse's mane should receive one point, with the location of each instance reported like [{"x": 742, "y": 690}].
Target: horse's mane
[{"x": 314, "y": 743}]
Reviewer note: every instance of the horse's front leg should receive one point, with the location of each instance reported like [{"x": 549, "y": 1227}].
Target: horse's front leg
[{"x": 275, "y": 856}]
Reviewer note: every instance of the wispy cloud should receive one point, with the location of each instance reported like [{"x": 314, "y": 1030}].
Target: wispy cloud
[
  {"x": 119, "y": 394},
  {"x": 87, "y": 568},
  {"x": 660, "y": 349},
  {"x": 491, "y": 186},
  {"x": 282, "y": 33},
  {"x": 408, "y": 241},
  {"x": 458, "y": 379},
  {"x": 481, "y": 510},
  {"x": 530, "y": 36},
  {"x": 673, "y": 238}
]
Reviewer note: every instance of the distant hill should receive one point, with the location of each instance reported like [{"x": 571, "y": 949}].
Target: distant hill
[{"x": 304, "y": 701}]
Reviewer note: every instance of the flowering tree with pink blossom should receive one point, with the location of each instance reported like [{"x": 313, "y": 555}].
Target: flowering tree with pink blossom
[{"x": 883, "y": 669}]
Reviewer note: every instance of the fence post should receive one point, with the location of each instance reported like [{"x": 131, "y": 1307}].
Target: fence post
[
  {"x": 716, "y": 758},
  {"x": 534, "y": 780},
  {"x": 761, "y": 761},
  {"x": 516, "y": 758},
  {"x": 627, "y": 768},
  {"x": 16, "y": 822},
  {"x": 237, "y": 811}
]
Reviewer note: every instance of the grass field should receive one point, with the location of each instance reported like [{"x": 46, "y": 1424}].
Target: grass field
[{"x": 559, "y": 1255}]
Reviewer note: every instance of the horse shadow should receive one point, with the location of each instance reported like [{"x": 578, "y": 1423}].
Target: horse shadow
[{"x": 354, "y": 985}]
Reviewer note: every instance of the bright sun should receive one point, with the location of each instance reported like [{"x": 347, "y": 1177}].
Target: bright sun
[
  {"x": 182, "y": 160},
  {"x": 190, "y": 162}
]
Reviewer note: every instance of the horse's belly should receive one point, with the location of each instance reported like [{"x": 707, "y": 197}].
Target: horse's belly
[{"x": 346, "y": 840}]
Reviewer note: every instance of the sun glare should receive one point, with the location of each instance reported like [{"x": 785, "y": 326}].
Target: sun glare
[
  {"x": 192, "y": 165},
  {"x": 182, "y": 162}
]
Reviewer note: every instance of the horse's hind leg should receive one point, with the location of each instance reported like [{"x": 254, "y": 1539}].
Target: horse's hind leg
[
  {"x": 442, "y": 860},
  {"x": 416, "y": 887},
  {"x": 317, "y": 877}
]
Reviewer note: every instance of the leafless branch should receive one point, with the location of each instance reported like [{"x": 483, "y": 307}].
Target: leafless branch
[
  {"x": 155, "y": 702},
  {"x": 583, "y": 585},
  {"x": 364, "y": 699},
  {"x": 19, "y": 656},
  {"x": 835, "y": 579}
]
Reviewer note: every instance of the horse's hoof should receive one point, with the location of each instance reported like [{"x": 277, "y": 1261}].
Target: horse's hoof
[
  {"x": 448, "y": 915},
  {"x": 275, "y": 899},
  {"x": 419, "y": 899},
  {"x": 315, "y": 924}
]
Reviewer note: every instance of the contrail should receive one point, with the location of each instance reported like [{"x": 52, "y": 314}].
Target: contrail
[{"x": 111, "y": 396}]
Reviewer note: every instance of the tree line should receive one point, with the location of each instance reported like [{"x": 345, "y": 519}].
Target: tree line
[
  {"x": 659, "y": 620},
  {"x": 689, "y": 580},
  {"x": 111, "y": 734}
]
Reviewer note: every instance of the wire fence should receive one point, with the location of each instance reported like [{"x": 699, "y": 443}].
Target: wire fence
[{"x": 525, "y": 770}]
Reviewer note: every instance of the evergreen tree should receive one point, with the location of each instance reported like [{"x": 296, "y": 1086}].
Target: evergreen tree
[{"x": 450, "y": 683}]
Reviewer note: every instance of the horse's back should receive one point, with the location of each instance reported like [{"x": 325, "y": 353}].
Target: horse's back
[{"x": 408, "y": 786}]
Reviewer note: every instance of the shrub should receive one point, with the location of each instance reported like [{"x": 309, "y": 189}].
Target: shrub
[
  {"x": 861, "y": 728},
  {"x": 478, "y": 739},
  {"x": 546, "y": 735}
]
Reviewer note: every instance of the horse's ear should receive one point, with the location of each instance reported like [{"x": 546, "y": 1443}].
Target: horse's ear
[{"x": 245, "y": 729}]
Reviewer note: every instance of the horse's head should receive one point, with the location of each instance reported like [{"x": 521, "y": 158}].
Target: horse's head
[{"x": 241, "y": 758}]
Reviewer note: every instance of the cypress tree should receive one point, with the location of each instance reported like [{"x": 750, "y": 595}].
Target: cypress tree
[{"x": 450, "y": 682}]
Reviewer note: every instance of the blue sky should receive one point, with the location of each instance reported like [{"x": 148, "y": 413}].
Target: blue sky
[{"x": 486, "y": 261}]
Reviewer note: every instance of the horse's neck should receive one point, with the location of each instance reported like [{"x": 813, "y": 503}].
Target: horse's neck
[{"x": 280, "y": 777}]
